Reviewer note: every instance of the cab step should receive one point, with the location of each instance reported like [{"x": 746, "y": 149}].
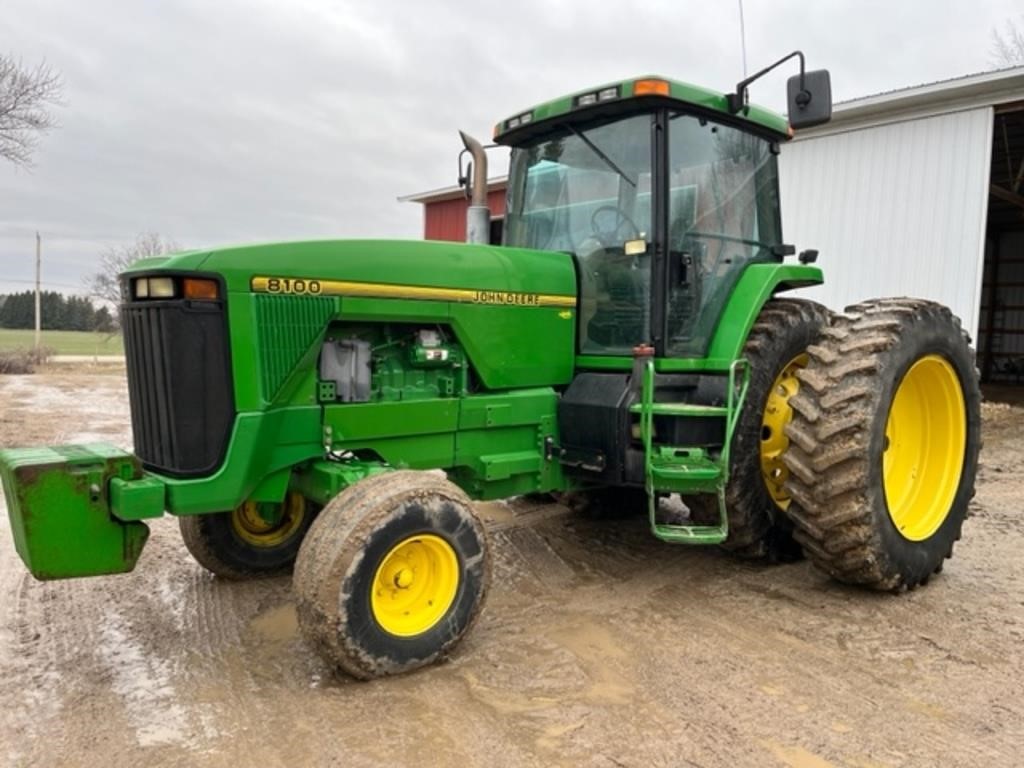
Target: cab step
[
  {"x": 679, "y": 469},
  {"x": 686, "y": 469},
  {"x": 690, "y": 534}
]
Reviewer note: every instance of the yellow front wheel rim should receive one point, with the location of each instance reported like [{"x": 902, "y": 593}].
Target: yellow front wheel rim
[
  {"x": 255, "y": 529},
  {"x": 777, "y": 414},
  {"x": 925, "y": 441},
  {"x": 415, "y": 585}
]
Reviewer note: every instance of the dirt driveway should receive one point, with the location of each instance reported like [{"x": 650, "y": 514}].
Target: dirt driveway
[{"x": 599, "y": 647}]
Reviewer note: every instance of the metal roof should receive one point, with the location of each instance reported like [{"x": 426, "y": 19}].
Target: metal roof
[
  {"x": 448, "y": 193},
  {"x": 999, "y": 86}
]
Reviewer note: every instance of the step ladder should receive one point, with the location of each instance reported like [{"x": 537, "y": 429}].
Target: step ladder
[{"x": 688, "y": 469}]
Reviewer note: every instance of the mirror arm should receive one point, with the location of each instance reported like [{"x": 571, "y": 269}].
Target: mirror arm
[{"x": 738, "y": 100}]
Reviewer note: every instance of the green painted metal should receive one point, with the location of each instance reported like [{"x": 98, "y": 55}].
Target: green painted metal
[
  {"x": 261, "y": 444},
  {"x": 286, "y": 327},
  {"x": 520, "y": 347},
  {"x": 322, "y": 480},
  {"x": 139, "y": 499},
  {"x": 501, "y": 441},
  {"x": 685, "y": 469},
  {"x": 59, "y": 509},
  {"x": 491, "y": 444},
  {"x": 273, "y": 487},
  {"x": 757, "y": 284},
  {"x": 683, "y": 94}
]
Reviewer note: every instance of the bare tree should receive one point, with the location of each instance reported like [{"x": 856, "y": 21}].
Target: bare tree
[
  {"x": 25, "y": 94},
  {"x": 104, "y": 284},
  {"x": 1008, "y": 48}
]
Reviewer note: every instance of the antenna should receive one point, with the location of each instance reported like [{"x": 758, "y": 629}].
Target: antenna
[{"x": 743, "y": 40}]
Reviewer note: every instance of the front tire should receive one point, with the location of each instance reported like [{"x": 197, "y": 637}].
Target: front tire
[
  {"x": 241, "y": 544},
  {"x": 884, "y": 443},
  {"x": 392, "y": 575}
]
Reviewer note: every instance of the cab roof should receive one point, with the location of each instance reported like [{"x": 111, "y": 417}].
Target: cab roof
[{"x": 636, "y": 94}]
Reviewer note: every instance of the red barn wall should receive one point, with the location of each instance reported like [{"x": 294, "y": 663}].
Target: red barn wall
[{"x": 446, "y": 219}]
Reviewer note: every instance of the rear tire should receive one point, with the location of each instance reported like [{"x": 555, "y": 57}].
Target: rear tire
[
  {"x": 776, "y": 346},
  {"x": 884, "y": 443},
  {"x": 392, "y": 575},
  {"x": 237, "y": 545}
]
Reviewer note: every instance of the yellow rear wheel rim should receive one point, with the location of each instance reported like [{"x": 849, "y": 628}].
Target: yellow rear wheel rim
[
  {"x": 777, "y": 414},
  {"x": 254, "y": 529},
  {"x": 415, "y": 585},
  {"x": 925, "y": 441}
]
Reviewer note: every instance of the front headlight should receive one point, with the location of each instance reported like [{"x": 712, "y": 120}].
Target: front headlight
[{"x": 161, "y": 287}]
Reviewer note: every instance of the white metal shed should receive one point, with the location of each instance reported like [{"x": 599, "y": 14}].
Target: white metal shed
[{"x": 904, "y": 193}]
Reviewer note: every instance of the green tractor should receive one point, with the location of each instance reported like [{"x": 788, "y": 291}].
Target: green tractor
[{"x": 628, "y": 342}]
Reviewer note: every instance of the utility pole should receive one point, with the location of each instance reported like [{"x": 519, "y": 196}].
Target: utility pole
[{"x": 39, "y": 268}]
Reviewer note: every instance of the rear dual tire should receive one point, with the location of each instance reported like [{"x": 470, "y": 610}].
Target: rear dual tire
[
  {"x": 884, "y": 443},
  {"x": 755, "y": 497}
]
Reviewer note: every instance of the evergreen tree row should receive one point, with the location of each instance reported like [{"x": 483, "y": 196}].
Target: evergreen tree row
[{"x": 59, "y": 312}]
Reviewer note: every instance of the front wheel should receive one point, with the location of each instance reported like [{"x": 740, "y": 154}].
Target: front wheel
[
  {"x": 255, "y": 539},
  {"x": 392, "y": 575}
]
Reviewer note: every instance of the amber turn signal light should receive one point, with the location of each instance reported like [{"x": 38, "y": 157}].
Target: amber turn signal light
[
  {"x": 196, "y": 288},
  {"x": 650, "y": 88}
]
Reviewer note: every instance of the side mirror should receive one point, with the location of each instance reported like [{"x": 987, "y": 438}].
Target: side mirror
[{"x": 809, "y": 96}]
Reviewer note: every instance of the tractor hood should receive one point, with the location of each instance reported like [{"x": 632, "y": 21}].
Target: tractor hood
[
  {"x": 305, "y": 267},
  {"x": 185, "y": 261}
]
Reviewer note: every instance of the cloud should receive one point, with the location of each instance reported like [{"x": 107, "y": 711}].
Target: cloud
[{"x": 224, "y": 122}]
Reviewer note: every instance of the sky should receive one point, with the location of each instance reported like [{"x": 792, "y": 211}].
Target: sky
[{"x": 212, "y": 123}]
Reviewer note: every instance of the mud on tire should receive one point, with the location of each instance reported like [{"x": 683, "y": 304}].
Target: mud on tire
[
  {"x": 342, "y": 576},
  {"x": 784, "y": 330},
  {"x": 223, "y": 546},
  {"x": 839, "y": 476}
]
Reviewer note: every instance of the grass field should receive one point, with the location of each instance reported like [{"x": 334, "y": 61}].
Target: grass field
[{"x": 64, "y": 342}]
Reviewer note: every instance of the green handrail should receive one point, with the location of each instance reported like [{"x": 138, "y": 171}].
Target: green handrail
[{"x": 735, "y": 398}]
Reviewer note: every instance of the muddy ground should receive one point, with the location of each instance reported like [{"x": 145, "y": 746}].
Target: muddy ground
[{"x": 599, "y": 647}]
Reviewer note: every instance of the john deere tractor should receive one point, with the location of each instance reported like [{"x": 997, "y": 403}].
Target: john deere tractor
[{"x": 630, "y": 341}]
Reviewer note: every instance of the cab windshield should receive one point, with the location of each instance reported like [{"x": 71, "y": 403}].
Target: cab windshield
[
  {"x": 586, "y": 184},
  {"x": 588, "y": 191}
]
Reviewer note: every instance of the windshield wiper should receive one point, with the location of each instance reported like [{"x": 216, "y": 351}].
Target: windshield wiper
[{"x": 597, "y": 151}]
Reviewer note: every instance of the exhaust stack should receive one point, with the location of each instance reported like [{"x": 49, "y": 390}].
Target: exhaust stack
[{"x": 478, "y": 216}]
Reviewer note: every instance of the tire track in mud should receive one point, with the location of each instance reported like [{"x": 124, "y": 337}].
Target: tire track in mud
[
  {"x": 31, "y": 665},
  {"x": 598, "y": 647},
  {"x": 82, "y": 626}
]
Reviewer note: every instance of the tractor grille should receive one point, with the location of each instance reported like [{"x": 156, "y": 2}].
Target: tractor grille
[{"x": 179, "y": 384}]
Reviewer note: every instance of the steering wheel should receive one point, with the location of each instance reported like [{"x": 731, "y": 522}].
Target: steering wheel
[{"x": 621, "y": 218}]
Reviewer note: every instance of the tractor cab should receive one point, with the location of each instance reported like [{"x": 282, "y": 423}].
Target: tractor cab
[
  {"x": 662, "y": 195},
  {"x": 667, "y": 197}
]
